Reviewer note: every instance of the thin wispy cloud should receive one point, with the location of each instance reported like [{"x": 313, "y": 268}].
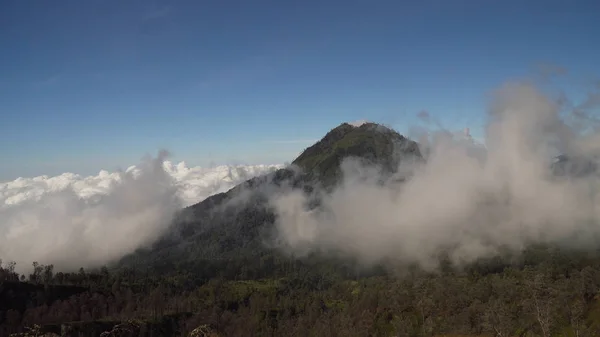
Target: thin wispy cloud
[
  {"x": 48, "y": 81},
  {"x": 155, "y": 21},
  {"x": 548, "y": 70},
  {"x": 290, "y": 141},
  {"x": 244, "y": 72},
  {"x": 157, "y": 13}
]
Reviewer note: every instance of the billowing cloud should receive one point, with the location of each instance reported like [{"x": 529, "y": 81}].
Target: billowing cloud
[
  {"x": 73, "y": 221},
  {"x": 468, "y": 200}
]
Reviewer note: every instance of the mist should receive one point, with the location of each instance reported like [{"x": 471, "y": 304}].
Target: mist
[
  {"x": 469, "y": 199},
  {"x": 70, "y": 232}
]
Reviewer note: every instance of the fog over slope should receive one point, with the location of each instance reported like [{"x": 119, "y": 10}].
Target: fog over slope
[
  {"x": 468, "y": 199},
  {"x": 73, "y": 221}
]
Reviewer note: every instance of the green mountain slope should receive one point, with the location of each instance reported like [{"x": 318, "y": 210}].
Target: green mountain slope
[
  {"x": 235, "y": 225},
  {"x": 373, "y": 143}
]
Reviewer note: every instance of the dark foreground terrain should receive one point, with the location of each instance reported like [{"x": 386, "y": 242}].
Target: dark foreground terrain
[{"x": 212, "y": 275}]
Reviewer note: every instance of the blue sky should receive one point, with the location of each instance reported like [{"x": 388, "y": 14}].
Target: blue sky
[{"x": 90, "y": 85}]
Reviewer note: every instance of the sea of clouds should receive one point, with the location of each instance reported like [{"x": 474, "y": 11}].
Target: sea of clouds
[{"x": 75, "y": 221}]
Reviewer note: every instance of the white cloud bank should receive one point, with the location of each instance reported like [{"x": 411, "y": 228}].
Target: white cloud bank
[
  {"x": 73, "y": 221},
  {"x": 470, "y": 201}
]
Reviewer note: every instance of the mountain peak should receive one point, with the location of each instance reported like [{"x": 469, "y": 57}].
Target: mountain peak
[{"x": 374, "y": 143}]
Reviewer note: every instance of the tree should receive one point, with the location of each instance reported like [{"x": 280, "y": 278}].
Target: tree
[
  {"x": 48, "y": 274},
  {"x": 541, "y": 301},
  {"x": 37, "y": 272}
]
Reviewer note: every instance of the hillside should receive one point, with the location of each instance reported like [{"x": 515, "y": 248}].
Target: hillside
[{"x": 237, "y": 224}]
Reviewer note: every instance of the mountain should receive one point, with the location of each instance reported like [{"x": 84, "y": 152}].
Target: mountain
[{"x": 238, "y": 224}]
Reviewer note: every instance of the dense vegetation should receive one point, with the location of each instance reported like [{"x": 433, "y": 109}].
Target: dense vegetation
[
  {"x": 548, "y": 292},
  {"x": 213, "y": 276},
  {"x": 373, "y": 143}
]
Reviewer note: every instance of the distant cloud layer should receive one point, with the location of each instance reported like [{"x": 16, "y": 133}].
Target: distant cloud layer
[
  {"x": 73, "y": 221},
  {"x": 193, "y": 183}
]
